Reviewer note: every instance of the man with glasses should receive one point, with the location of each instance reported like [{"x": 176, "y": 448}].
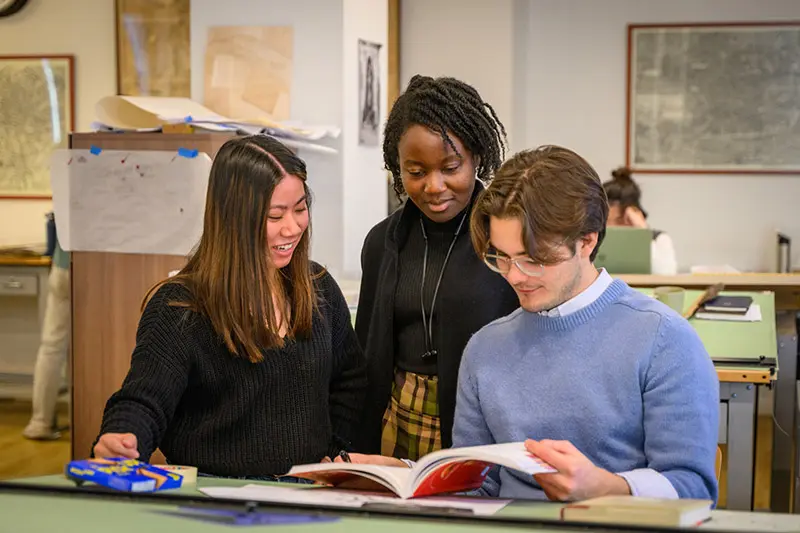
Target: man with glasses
[{"x": 611, "y": 387}]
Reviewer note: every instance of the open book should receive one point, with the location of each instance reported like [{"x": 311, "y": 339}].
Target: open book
[{"x": 441, "y": 472}]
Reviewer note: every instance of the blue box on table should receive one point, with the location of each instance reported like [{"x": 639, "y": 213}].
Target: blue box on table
[{"x": 119, "y": 473}]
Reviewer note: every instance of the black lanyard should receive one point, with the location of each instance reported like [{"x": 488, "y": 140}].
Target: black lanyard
[{"x": 427, "y": 322}]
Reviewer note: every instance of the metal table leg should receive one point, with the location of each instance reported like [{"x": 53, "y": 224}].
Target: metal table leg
[{"x": 741, "y": 398}]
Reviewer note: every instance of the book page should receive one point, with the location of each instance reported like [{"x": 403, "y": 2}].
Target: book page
[
  {"x": 511, "y": 455},
  {"x": 393, "y": 478},
  {"x": 462, "y": 469}
]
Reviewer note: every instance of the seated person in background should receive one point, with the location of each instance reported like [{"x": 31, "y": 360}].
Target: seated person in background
[
  {"x": 614, "y": 388},
  {"x": 246, "y": 362},
  {"x": 625, "y": 209}
]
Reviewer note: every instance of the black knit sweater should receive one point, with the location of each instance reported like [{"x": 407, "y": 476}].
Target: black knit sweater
[{"x": 186, "y": 394}]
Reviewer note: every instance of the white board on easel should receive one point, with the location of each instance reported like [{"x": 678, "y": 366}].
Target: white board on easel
[{"x": 141, "y": 202}]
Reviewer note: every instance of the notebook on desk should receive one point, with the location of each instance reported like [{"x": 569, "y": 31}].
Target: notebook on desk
[
  {"x": 730, "y": 308},
  {"x": 625, "y": 251},
  {"x": 728, "y": 304}
]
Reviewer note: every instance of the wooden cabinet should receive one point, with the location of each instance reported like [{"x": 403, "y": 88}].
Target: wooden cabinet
[{"x": 107, "y": 292}]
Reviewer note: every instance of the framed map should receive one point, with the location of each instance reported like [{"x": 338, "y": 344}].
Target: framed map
[
  {"x": 37, "y": 110},
  {"x": 714, "y": 98},
  {"x": 153, "y": 48}
]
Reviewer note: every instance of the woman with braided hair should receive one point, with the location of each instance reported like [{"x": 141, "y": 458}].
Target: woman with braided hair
[{"x": 424, "y": 290}]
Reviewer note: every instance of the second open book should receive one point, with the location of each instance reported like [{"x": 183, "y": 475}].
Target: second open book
[{"x": 441, "y": 472}]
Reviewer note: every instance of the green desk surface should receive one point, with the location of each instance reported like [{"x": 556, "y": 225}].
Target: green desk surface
[
  {"x": 22, "y": 512},
  {"x": 738, "y": 341},
  {"x": 45, "y": 512}
]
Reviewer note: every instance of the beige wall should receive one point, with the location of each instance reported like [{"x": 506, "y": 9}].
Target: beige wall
[
  {"x": 84, "y": 28},
  {"x": 471, "y": 40}
]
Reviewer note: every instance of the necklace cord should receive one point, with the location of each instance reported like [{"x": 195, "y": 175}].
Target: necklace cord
[{"x": 427, "y": 322}]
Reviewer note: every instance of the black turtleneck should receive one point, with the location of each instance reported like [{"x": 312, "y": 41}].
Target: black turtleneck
[{"x": 409, "y": 331}]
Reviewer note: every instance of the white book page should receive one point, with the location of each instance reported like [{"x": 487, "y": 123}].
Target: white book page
[{"x": 510, "y": 455}]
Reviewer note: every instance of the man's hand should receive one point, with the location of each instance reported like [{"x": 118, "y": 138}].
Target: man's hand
[
  {"x": 577, "y": 477},
  {"x": 117, "y": 445}
]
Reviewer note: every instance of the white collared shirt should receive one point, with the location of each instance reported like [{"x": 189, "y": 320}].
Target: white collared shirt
[{"x": 583, "y": 299}]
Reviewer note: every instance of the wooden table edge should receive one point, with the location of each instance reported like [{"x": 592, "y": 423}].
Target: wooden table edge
[{"x": 738, "y": 375}]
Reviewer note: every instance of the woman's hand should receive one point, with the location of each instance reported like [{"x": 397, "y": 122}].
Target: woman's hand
[
  {"x": 117, "y": 445},
  {"x": 634, "y": 217}
]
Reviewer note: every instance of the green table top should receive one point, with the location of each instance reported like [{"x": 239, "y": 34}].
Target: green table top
[
  {"x": 737, "y": 342},
  {"x": 46, "y": 512}
]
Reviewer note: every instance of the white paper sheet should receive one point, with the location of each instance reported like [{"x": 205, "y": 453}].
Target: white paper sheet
[
  {"x": 348, "y": 498},
  {"x": 143, "y": 202}
]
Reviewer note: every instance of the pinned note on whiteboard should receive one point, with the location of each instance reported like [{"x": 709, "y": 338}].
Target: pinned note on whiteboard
[{"x": 139, "y": 202}]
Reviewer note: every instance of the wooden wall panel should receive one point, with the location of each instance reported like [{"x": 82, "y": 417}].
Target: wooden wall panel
[{"x": 393, "y": 50}]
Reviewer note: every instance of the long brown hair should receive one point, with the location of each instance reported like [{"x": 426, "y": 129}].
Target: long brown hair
[
  {"x": 230, "y": 277},
  {"x": 554, "y": 193}
]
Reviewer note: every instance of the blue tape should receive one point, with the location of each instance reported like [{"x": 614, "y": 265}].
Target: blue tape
[
  {"x": 188, "y": 118},
  {"x": 185, "y": 152},
  {"x": 95, "y": 150}
]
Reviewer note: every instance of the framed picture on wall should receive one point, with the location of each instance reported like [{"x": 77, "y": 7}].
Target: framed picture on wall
[
  {"x": 369, "y": 92},
  {"x": 153, "y": 48},
  {"x": 37, "y": 114},
  {"x": 713, "y": 98}
]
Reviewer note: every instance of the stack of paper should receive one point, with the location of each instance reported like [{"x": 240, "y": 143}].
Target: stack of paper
[{"x": 151, "y": 113}]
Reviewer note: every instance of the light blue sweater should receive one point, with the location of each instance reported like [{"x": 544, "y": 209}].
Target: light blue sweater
[{"x": 625, "y": 379}]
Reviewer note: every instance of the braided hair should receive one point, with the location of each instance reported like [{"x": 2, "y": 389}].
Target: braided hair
[{"x": 445, "y": 105}]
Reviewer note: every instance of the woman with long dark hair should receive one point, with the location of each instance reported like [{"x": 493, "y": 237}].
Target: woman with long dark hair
[{"x": 246, "y": 362}]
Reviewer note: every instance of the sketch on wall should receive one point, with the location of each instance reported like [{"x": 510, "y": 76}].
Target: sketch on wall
[
  {"x": 37, "y": 112},
  {"x": 153, "y": 47},
  {"x": 714, "y": 98},
  {"x": 248, "y": 71},
  {"x": 369, "y": 92},
  {"x": 145, "y": 201}
]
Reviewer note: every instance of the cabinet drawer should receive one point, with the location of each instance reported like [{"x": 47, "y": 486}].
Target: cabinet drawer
[{"x": 22, "y": 285}]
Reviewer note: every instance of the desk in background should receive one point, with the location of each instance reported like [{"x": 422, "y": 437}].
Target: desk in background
[
  {"x": 23, "y": 300},
  {"x": 786, "y": 288},
  {"x": 745, "y": 355}
]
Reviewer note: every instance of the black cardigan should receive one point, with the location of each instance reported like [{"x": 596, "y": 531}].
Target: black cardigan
[{"x": 470, "y": 296}]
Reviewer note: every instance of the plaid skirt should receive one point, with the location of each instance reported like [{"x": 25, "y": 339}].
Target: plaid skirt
[{"x": 411, "y": 427}]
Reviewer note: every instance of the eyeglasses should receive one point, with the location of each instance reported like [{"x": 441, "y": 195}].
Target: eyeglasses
[{"x": 502, "y": 264}]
